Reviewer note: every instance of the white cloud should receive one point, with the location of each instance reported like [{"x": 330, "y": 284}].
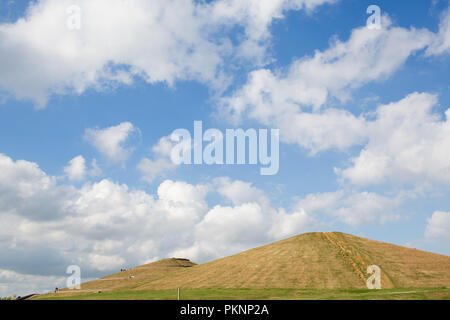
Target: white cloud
[
  {"x": 256, "y": 16},
  {"x": 164, "y": 147},
  {"x": 283, "y": 100},
  {"x": 223, "y": 226},
  {"x": 227, "y": 230},
  {"x": 105, "y": 226},
  {"x": 25, "y": 177},
  {"x": 250, "y": 221},
  {"x": 286, "y": 224},
  {"x": 110, "y": 141},
  {"x": 408, "y": 143},
  {"x": 240, "y": 192},
  {"x": 183, "y": 201},
  {"x": 105, "y": 262},
  {"x": 162, "y": 162},
  {"x": 95, "y": 171},
  {"x": 441, "y": 44},
  {"x": 438, "y": 225},
  {"x": 27, "y": 283},
  {"x": 353, "y": 208},
  {"x": 76, "y": 169},
  {"x": 151, "y": 169},
  {"x": 158, "y": 41},
  {"x": 367, "y": 208},
  {"x": 26, "y": 190}
]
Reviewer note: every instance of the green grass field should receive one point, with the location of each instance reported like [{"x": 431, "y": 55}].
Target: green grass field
[{"x": 262, "y": 294}]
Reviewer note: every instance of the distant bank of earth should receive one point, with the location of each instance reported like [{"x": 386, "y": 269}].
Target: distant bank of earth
[{"x": 309, "y": 266}]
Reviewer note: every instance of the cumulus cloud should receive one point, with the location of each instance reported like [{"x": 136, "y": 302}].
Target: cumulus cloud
[
  {"x": 441, "y": 44},
  {"x": 104, "y": 226},
  {"x": 407, "y": 143},
  {"x": 438, "y": 226},
  {"x": 26, "y": 190},
  {"x": 240, "y": 192},
  {"x": 151, "y": 169},
  {"x": 223, "y": 226},
  {"x": 227, "y": 230},
  {"x": 26, "y": 177},
  {"x": 110, "y": 141},
  {"x": 95, "y": 171},
  {"x": 256, "y": 17},
  {"x": 161, "y": 162},
  {"x": 284, "y": 100},
  {"x": 182, "y": 201},
  {"x": 354, "y": 208},
  {"x": 76, "y": 169},
  {"x": 292, "y": 223},
  {"x": 250, "y": 221},
  {"x": 157, "y": 41},
  {"x": 27, "y": 283}
]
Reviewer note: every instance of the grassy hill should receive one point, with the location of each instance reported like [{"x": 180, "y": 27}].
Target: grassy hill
[
  {"x": 314, "y": 261},
  {"x": 132, "y": 277}
]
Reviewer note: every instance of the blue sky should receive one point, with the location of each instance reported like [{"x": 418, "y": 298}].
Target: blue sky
[{"x": 362, "y": 118}]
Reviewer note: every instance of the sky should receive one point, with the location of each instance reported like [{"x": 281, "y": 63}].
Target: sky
[{"x": 92, "y": 90}]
